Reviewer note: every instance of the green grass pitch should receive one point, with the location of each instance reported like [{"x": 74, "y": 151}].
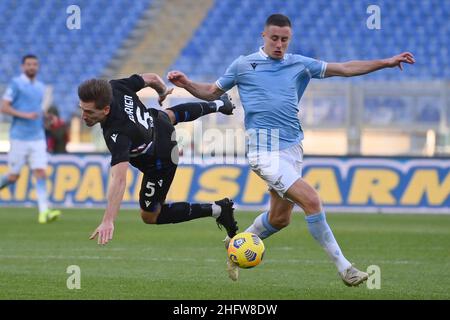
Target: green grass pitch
[{"x": 187, "y": 261}]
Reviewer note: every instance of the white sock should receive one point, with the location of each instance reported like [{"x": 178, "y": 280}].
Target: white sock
[
  {"x": 262, "y": 227},
  {"x": 216, "y": 210},
  {"x": 41, "y": 190},
  {"x": 320, "y": 230}
]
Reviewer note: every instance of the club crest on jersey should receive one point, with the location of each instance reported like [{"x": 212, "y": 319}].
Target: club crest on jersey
[
  {"x": 114, "y": 137},
  {"x": 128, "y": 101}
]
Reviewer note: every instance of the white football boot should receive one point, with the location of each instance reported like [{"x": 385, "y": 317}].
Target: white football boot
[{"x": 352, "y": 277}]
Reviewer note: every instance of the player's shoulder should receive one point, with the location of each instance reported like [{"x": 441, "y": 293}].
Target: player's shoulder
[
  {"x": 17, "y": 80},
  {"x": 113, "y": 138},
  {"x": 298, "y": 58},
  {"x": 242, "y": 59}
]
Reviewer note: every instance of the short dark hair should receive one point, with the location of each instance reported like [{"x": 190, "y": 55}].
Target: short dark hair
[
  {"x": 28, "y": 56},
  {"x": 96, "y": 90},
  {"x": 279, "y": 20}
]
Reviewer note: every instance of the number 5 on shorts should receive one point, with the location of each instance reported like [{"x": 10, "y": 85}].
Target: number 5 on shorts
[{"x": 150, "y": 186}]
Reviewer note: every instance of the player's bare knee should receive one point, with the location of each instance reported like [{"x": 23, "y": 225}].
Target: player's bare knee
[
  {"x": 312, "y": 204},
  {"x": 149, "y": 217},
  {"x": 39, "y": 173},
  {"x": 282, "y": 223},
  {"x": 13, "y": 178},
  {"x": 171, "y": 116}
]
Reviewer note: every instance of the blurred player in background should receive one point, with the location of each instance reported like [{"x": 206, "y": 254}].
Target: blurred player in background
[
  {"x": 271, "y": 84},
  {"x": 23, "y": 101},
  {"x": 145, "y": 138}
]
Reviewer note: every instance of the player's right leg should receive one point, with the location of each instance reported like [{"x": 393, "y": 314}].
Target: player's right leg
[
  {"x": 271, "y": 168},
  {"x": 279, "y": 174},
  {"x": 282, "y": 171}
]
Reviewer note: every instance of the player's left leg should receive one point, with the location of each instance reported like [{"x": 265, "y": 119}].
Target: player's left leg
[
  {"x": 186, "y": 112},
  {"x": 38, "y": 163},
  {"x": 177, "y": 212},
  {"x": 278, "y": 170},
  {"x": 307, "y": 198},
  {"x": 279, "y": 174},
  {"x": 276, "y": 218},
  {"x": 154, "y": 189}
]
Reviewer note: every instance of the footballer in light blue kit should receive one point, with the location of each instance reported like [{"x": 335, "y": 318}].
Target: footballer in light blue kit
[
  {"x": 23, "y": 101},
  {"x": 271, "y": 83}
]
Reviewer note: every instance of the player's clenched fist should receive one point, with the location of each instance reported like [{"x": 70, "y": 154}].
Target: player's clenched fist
[{"x": 178, "y": 78}]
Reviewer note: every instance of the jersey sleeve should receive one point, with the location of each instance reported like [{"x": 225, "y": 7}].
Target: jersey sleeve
[
  {"x": 11, "y": 92},
  {"x": 119, "y": 146},
  {"x": 316, "y": 68},
  {"x": 229, "y": 79},
  {"x": 134, "y": 83}
]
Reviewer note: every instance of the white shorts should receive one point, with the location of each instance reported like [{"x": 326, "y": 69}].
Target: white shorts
[
  {"x": 279, "y": 169},
  {"x": 33, "y": 153}
]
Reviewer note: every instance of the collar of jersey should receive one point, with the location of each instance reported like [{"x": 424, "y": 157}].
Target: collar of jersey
[
  {"x": 24, "y": 77},
  {"x": 266, "y": 56}
]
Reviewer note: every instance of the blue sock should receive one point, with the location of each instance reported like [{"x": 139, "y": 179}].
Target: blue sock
[
  {"x": 321, "y": 232},
  {"x": 262, "y": 227},
  {"x": 41, "y": 191}
]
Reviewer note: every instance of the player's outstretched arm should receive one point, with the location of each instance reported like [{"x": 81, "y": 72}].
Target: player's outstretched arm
[
  {"x": 357, "y": 68},
  {"x": 204, "y": 91},
  {"x": 155, "y": 82},
  {"x": 8, "y": 109},
  {"x": 116, "y": 189}
]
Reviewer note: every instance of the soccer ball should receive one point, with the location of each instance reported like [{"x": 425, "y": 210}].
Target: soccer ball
[{"x": 246, "y": 249}]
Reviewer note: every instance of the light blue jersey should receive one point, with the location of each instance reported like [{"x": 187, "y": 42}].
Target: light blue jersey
[
  {"x": 26, "y": 96},
  {"x": 270, "y": 91}
]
